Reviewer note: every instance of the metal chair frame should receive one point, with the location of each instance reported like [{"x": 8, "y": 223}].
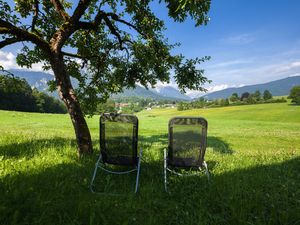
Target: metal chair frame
[
  {"x": 100, "y": 164},
  {"x": 201, "y": 167}
]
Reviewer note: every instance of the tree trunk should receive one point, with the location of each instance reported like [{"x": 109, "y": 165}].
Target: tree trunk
[{"x": 67, "y": 95}]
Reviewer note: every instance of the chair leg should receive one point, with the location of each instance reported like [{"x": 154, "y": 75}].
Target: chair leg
[
  {"x": 165, "y": 169},
  {"x": 95, "y": 172},
  {"x": 206, "y": 170},
  {"x": 138, "y": 172}
]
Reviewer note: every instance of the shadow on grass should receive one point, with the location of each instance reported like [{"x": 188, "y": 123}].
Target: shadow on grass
[
  {"x": 59, "y": 194},
  {"x": 294, "y": 104},
  {"x": 30, "y": 148},
  {"x": 217, "y": 144}
]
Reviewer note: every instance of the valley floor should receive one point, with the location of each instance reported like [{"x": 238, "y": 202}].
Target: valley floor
[{"x": 253, "y": 155}]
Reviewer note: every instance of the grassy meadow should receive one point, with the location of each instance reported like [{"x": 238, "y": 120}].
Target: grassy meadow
[{"x": 253, "y": 155}]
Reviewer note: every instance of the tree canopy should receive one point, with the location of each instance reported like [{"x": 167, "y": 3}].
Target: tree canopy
[
  {"x": 257, "y": 95},
  {"x": 112, "y": 44},
  {"x": 245, "y": 95},
  {"x": 234, "y": 97},
  {"x": 105, "y": 45},
  {"x": 16, "y": 94},
  {"x": 267, "y": 95},
  {"x": 295, "y": 95}
]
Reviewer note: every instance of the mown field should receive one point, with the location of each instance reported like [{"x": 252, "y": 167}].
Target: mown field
[{"x": 253, "y": 155}]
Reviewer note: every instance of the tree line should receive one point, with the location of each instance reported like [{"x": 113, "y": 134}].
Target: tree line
[
  {"x": 245, "y": 98},
  {"x": 16, "y": 94},
  {"x": 295, "y": 95},
  {"x": 132, "y": 104}
]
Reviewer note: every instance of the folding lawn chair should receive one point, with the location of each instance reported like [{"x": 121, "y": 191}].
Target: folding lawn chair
[
  {"x": 118, "y": 145},
  {"x": 187, "y": 145}
]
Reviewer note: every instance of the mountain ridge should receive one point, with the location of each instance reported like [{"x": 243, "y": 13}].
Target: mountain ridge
[
  {"x": 277, "y": 88},
  {"x": 39, "y": 80}
]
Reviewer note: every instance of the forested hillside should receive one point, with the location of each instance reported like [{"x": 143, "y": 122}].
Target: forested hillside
[
  {"x": 16, "y": 94},
  {"x": 278, "y": 88}
]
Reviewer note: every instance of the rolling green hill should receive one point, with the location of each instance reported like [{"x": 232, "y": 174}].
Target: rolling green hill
[
  {"x": 277, "y": 88},
  {"x": 253, "y": 153}
]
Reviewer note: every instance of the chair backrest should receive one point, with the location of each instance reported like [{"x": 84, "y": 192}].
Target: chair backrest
[
  {"x": 119, "y": 138},
  {"x": 187, "y": 141}
]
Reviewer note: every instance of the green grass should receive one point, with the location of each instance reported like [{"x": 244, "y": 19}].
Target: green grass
[{"x": 253, "y": 155}]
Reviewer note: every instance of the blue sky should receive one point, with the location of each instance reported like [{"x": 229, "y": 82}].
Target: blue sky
[{"x": 250, "y": 41}]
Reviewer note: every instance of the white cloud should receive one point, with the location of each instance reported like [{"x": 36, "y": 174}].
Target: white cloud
[
  {"x": 161, "y": 85},
  {"x": 231, "y": 63},
  {"x": 210, "y": 89},
  {"x": 253, "y": 71},
  {"x": 295, "y": 74},
  {"x": 217, "y": 88},
  {"x": 240, "y": 39},
  {"x": 260, "y": 70},
  {"x": 287, "y": 67},
  {"x": 37, "y": 67},
  {"x": 194, "y": 94},
  {"x": 8, "y": 61},
  {"x": 278, "y": 70}
]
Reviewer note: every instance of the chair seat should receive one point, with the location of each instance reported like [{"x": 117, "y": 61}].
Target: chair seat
[
  {"x": 184, "y": 162},
  {"x": 119, "y": 160},
  {"x": 118, "y": 145}
]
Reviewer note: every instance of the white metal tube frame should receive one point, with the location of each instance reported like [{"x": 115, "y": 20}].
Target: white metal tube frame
[
  {"x": 99, "y": 164},
  {"x": 166, "y": 169}
]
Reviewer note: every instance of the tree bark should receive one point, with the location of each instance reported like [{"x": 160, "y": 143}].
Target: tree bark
[{"x": 67, "y": 95}]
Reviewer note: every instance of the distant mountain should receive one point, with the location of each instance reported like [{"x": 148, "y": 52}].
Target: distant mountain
[
  {"x": 277, "y": 88},
  {"x": 167, "y": 92},
  {"x": 39, "y": 80},
  {"x": 35, "y": 79},
  {"x": 170, "y": 92},
  {"x": 138, "y": 92}
]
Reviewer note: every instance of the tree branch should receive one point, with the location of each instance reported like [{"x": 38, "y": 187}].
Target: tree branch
[
  {"x": 6, "y": 71},
  {"x": 101, "y": 15},
  {"x": 84, "y": 59},
  {"x": 70, "y": 25},
  {"x": 118, "y": 19},
  {"x": 86, "y": 25},
  {"x": 60, "y": 9},
  {"x": 35, "y": 14},
  {"x": 113, "y": 30},
  {"x": 72, "y": 55},
  {"x": 23, "y": 35},
  {"x": 80, "y": 9},
  {"x": 9, "y": 41},
  {"x": 93, "y": 26},
  {"x": 79, "y": 56},
  {"x": 67, "y": 29}
]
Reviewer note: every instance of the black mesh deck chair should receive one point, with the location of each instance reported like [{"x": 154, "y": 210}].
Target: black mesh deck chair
[
  {"x": 187, "y": 145},
  {"x": 118, "y": 145}
]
